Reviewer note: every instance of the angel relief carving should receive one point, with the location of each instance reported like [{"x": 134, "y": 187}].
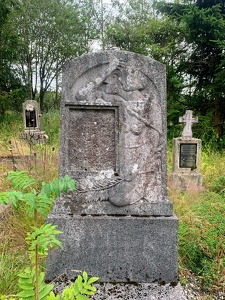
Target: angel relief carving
[{"x": 139, "y": 175}]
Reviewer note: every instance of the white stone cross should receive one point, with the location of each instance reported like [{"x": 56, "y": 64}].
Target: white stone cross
[{"x": 189, "y": 120}]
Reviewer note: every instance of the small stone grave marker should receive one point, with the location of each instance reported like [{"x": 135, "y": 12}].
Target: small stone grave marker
[
  {"x": 32, "y": 122},
  {"x": 186, "y": 158}
]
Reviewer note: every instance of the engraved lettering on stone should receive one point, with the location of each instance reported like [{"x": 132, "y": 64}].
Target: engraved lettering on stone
[{"x": 188, "y": 153}]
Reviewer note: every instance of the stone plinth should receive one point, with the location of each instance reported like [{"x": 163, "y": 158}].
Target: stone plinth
[{"x": 117, "y": 249}]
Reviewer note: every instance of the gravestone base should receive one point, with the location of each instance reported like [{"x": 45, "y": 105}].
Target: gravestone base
[
  {"x": 144, "y": 291},
  {"x": 191, "y": 182},
  {"x": 130, "y": 291},
  {"x": 125, "y": 249},
  {"x": 34, "y": 136}
]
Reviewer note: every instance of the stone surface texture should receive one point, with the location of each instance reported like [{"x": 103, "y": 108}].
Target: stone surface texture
[
  {"x": 141, "y": 291},
  {"x": 113, "y": 135},
  {"x": 117, "y": 249},
  {"x": 188, "y": 119},
  {"x": 118, "y": 224}
]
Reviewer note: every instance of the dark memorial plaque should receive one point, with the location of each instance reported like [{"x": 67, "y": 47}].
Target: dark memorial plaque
[
  {"x": 188, "y": 154},
  {"x": 92, "y": 139},
  {"x": 31, "y": 119}
]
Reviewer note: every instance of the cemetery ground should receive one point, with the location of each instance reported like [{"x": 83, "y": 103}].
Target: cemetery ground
[{"x": 201, "y": 215}]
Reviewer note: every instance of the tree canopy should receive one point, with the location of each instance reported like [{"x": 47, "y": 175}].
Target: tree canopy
[
  {"x": 37, "y": 37},
  {"x": 204, "y": 23},
  {"x": 188, "y": 36}
]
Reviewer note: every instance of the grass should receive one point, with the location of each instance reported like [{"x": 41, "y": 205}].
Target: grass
[
  {"x": 13, "y": 250},
  {"x": 201, "y": 215},
  {"x": 202, "y": 224},
  {"x": 41, "y": 161}
]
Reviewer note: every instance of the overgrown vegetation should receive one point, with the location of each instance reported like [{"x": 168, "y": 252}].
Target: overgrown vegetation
[
  {"x": 201, "y": 225},
  {"x": 41, "y": 238},
  {"x": 201, "y": 215},
  {"x": 41, "y": 162},
  {"x": 187, "y": 36}
]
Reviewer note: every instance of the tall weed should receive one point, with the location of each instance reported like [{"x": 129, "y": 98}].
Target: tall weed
[
  {"x": 11, "y": 124},
  {"x": 13, "y": 248},
  {"x": 202, "y": 240},
  {"x": 51, "y": 124},
  {"x": 39, "y": 159},
  {"x": 202, "y": 222}
]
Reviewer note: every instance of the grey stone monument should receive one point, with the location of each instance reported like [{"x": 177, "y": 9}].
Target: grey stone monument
[
  {"x": 32, "y": 122},
  {"x": 118, "y": 224},
  {"x": 186, "y": 158}
]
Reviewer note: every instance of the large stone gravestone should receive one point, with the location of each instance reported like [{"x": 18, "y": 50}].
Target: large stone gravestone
[
  {"x": 119, "y": 224},
  {"x": 185, "y": 174}
]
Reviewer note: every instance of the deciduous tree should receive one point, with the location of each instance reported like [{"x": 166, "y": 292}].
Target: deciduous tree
[
  {"x": 11, "y": 89},
  {"x": 50, "y": 33}
]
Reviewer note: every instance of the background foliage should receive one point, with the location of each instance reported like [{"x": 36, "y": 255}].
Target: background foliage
[{"x": 38, "y": 37}]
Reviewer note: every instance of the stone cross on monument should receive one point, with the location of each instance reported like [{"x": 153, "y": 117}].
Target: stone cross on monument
[{"x": 189, "y": 120}]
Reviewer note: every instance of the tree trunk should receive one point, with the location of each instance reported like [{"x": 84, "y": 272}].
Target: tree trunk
[
  {"x": 218, "y": 119},
  {"x": 42, "y": 93}
]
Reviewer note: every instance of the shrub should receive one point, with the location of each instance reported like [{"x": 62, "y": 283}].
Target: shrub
[{"x": 42, "y": 238}]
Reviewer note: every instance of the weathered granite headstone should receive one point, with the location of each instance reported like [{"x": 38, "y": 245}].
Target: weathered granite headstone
[
  {"x": 32, "y": 122},
  {"x": 119, "y": 224},
  {"x": 186, "y": 158}
]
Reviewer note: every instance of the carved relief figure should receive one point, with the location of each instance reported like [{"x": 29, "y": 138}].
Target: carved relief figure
[{"x": 139, "y": 174}]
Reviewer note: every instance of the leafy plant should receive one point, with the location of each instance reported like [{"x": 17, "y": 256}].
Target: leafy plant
[
  {"x": 81, "y": 287},
  {"x": 43, "y": 238}
]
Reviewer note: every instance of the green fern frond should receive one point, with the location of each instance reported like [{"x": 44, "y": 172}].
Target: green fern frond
[
  {"x": 15, "y": 196},
  {"x": 20, "y": 179},
  {"x": 52, "y": 296},
  {"x": 80, "y": 288},
  {"x": 11, "y": 197},
  {"x": 44, "y": 289},
  {"x": 67, "y": 184},
  {"x": 4, "y": 199},
  {"x": 54, "y": 188},
  {"x": 50, "y": 191},
  {"x": 44, "y": 204},
  {"x": 43, "y": 237},
  {"x": 27, "y": 285}
]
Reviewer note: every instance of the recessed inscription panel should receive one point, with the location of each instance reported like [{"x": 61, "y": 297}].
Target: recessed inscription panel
[
  {"x": 188, "y": 154},
  {"x": 92, "y": 139}
]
